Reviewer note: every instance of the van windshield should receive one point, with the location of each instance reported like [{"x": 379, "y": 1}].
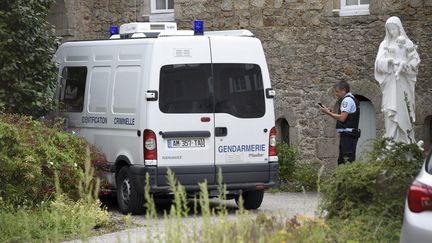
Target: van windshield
[{"x": 235, "y": 89}]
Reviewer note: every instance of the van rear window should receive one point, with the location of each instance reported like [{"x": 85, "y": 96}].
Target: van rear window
[
  {"x": 239, "y": 90},
  {"x": 236, "y": 89},
  {"x": 72, "y": 92},
  {"x": 186, "y": 88}
]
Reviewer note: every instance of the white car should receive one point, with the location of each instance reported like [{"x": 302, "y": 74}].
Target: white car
[
  {"x": 417, "y": 224},
  {"x": 153, "y": 98}
]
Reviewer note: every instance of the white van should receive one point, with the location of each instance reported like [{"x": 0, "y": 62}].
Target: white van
[{"x": 153, "y": 98}]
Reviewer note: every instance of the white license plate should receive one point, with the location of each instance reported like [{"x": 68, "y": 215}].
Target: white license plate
[{"x": 186, "y": 143}]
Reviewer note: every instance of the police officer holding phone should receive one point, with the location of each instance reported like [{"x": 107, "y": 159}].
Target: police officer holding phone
[{"x": 347, "y": 121}]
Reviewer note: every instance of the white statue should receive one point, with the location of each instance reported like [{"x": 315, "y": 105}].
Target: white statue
[{"x": 396, "y": 68}]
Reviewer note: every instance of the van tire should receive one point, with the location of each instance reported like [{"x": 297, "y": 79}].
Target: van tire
[
  {"x": 129, "y": 200},
  {"x": 252, "y": 199}
]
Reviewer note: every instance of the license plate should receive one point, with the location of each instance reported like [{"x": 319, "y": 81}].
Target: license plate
[{"x": 186, "y": 143}]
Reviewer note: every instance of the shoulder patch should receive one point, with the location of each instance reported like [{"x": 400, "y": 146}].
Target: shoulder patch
[{"x": 345, "y": 104}]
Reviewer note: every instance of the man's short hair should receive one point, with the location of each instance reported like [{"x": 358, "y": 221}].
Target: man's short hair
[{"x": 342, "y": 85}]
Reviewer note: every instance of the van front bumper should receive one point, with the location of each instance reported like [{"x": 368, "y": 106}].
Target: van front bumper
[{"x": 240, "y": 177}]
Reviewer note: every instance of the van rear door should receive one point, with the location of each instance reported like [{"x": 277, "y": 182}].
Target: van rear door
[
  {"x": 243, "y": 115},
  {"x": 183, "y": 117}
]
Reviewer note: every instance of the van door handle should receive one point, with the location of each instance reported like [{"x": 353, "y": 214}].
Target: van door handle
[{"x": 221, "y": 131}]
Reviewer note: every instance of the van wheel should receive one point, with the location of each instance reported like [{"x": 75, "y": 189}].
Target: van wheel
[
  {"x": 252, "y": 199},
  {"x": 128, "y": 198}
]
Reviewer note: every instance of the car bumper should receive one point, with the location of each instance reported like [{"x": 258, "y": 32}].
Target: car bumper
[
  {"x": 247, "y": 177},
  {"x": 417, "y": 227}
]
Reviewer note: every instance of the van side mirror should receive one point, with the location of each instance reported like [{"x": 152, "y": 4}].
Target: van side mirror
[
  {"x": 151, "y": 95},
  {"x": 270, "y": 93}
]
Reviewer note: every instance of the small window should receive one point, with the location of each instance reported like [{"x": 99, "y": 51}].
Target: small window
[
  {"x": 186, "y": 88},
  {"x": 72, "y": 92},
  {"x": 239, "y": 90},
  {"x": 162, "y": 6},
  {"x": 354, "y": 7}
]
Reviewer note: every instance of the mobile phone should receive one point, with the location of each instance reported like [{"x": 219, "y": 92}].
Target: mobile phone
[{"x": 321, "y": 105}]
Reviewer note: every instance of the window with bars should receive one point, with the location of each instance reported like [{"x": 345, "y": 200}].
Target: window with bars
[
  {"x": 354, "y": 7},
  {"x": 162, "y": 6}
]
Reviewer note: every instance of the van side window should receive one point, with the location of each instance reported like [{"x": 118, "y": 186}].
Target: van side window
[
  {"x": 186, "y": 88},
  {"x": 239, "y": 90},
  {"x": 72, "y": 92}
]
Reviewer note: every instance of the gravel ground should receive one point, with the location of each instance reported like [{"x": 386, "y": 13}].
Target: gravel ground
[{"x": 286, "y": 203}]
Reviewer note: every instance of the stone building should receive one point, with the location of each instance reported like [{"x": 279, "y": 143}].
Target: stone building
[{"x": 309, "y": 44}]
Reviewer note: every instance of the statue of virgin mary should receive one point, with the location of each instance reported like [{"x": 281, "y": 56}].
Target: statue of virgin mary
[{"x": 396, "y": 68}]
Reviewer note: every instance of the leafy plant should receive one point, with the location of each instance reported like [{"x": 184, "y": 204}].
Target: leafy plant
[
  {"x": 294, "y": 175},
  {"x": 364, "y": 200},
  {"x": 32, "y": 153},
  {"x": 27, "y": 47},
  {"x": 58, "y": 219}
]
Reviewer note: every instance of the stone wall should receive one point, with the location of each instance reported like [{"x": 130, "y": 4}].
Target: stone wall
[
  {"x": 309, "y": 48},
  {"x": 86, "y": 20}
]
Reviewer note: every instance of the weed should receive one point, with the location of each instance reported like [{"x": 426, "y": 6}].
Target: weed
[
  {"x": 216, "y": 225},
  {"x": 52, "y": 221}
]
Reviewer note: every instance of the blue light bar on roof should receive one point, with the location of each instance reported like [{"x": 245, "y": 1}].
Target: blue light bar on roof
[
  {"x": 114, "y": 30},
  {"x": 199, "y": 27}
]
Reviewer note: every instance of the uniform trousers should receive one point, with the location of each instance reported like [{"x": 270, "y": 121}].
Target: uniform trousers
[{"x": 347, "y": 148}]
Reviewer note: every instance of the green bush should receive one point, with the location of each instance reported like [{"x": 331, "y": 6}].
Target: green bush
[
  {"x": 50, "y": 192},
  {"x": 364, "y": 200},
  {"x": 52, "y": 221},
  {"x": 32, "y": 153},
  {"x": 27, "y": 47},
  {"x": 294, "y": 175},
  {"x": 288, "y": 158}
]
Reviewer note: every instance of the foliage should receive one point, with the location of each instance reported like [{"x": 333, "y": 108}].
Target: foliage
[
  {"x": 51, "y": 220},
  {"x": 57, "y": 219},
  {"x": 27, "y": 47},
  {"x": 364, "y": 200},
  {"x": 294, "y": 175},
  {"x": 50, "y": 189},
  {"x": 32, "y": 153}
]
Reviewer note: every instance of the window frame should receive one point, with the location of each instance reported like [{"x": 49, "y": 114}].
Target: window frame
[
  {"x": 158, "y": 11},
  {"x": 354, "y": 10},
  {"x": 62, "y": 90}
]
